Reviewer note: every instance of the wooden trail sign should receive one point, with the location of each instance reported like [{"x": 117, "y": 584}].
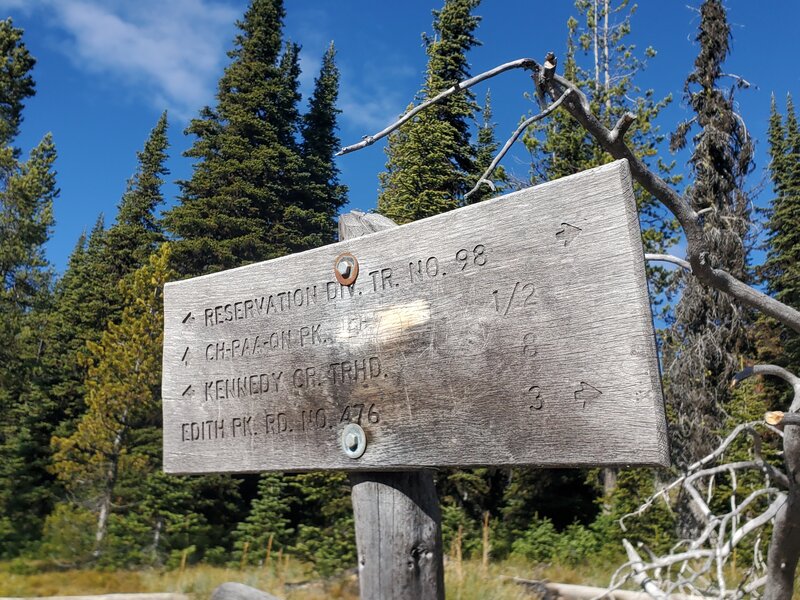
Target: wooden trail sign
[{"x": 515, "y": 331}]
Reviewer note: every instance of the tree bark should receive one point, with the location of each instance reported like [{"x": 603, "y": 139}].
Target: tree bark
[
  {"x": 784, "y": 547},
  {"x": 108, "y": 491}
]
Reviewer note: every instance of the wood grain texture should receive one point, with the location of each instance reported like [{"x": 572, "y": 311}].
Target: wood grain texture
[
  {"x": 514, "y": 331},
  {"x": 399, "y": 535}
]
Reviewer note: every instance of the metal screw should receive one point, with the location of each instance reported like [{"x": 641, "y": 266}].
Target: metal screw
[{"x": 354, "y": 440}]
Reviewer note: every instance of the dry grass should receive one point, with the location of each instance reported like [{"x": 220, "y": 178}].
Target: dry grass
[{"x": 292, "y": 581}]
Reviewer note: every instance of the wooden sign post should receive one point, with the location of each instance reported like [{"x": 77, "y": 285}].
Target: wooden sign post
[
  {"x": 512, "y": 332},
  {"x": 396, "y": 513}
]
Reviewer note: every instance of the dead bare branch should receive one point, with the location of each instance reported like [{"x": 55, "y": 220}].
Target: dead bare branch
[
  {"x": 670, "y": 259},
  {"x": 484, "y": 178},
  {"x": 578, "y": 106},
  {"x": 777, "y": 417},
  {"x": 522, "y": 63}
]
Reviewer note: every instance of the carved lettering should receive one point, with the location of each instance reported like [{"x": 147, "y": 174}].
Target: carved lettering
[
  {"x": 197, "y": 431},
  {"x": 355, "y": 371},
  {"x": 243, "y": 387},
  {"x": 250, "y": 308}
]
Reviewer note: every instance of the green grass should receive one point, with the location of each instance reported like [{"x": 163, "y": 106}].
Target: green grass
[{"x": 293, "y": 581}]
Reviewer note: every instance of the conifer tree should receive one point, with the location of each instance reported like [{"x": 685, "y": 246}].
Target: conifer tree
[
  {"x": 322, "y": 194},
  {"x": 429, "y": 161},
  {"x": 247, "y": 161},
  {"x": 85, "y": 300},
  {"x": 485, "y": 150},
  {"x": 325, "y": 536},
  {"x": 136, "y": 232},
  {"x": 264, "y": 183},
  {"x": 124, "y": 374},
  {"x": 27, "y": 191},
  {"x": 781, "y": 272},
  {"x": 710, "y": 332},
  {"x": 268, "y": 518}
]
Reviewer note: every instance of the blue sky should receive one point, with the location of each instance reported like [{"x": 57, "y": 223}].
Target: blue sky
[{"x": 107, "y": 68}]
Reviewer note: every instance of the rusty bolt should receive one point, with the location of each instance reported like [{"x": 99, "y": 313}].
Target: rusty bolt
[{"x": 345, "y": 268}]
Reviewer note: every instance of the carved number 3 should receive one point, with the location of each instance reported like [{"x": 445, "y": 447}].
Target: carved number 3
[{"x": 535, "y": 397}]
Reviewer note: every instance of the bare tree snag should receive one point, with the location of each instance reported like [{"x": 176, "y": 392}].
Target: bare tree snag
[
  {"x": 784, "y": 546},
  {"x": 397, "y": 517}
]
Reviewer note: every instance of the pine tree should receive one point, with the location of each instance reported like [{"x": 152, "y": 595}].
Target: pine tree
[
  {"x": 781, "y": 273},
  {"x": 268, "y": 519},
  {"x": 248, "y": 165},
  {"x": 87, "y": 296},
  {"x": 710, "y": 332},
  {"x": 430, "y": 159},
  {"x": 136, "y": 232},
  {"x": 485, "y": 150},
  {"x": 27, "y": 191},
  {"x": 124, "y": 375},
  {"x": 323, "y": 195},
  {"x": 326, "y": 535}
]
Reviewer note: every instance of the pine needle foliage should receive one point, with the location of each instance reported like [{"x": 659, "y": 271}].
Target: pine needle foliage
[{"x": 710, "y": 331}]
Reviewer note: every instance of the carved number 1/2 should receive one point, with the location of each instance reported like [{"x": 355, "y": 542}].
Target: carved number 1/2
[{"x": 524, "y": 289}]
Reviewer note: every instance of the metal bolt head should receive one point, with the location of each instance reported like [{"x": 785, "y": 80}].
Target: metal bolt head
[
  {"x": 354, "y": 440},
  {"x": 345, "y": 268}
]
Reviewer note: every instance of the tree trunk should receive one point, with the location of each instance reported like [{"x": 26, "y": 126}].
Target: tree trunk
[
  {"x": 609, "y": 477},
  {"x": 784, "y": 547},
  {"x": 108, "y": 491}
]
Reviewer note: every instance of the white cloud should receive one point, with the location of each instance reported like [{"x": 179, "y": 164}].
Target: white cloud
[
  {"x": 369, "y": 111},
  {"x": 170, "y": 53},
  {"x": 373, "y": 96}
]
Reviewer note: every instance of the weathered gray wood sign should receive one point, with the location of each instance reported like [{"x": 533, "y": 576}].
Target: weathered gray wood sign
[{"x": 515, "y": 331}]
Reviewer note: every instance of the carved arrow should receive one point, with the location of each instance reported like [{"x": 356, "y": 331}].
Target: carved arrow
[
  {"x": 185, "y": 357},
  {"x": 585, "y": 393},
  {"x": 567, "y": 233},
  {"x": 188, "y": 318},
  {"x": 188, "y": 392}
]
